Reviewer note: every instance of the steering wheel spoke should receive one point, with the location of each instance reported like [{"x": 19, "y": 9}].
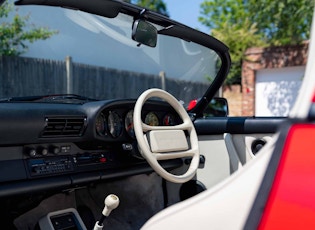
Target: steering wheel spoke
[
  {"x": 183, "y": 126},
  {"x": 174, "y": 155}
]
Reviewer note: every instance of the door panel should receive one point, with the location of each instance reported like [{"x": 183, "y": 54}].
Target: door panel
[
  {"x": 229, "y": 143},
  {"x": 244, "y": 144},
  {"x": 217, "y": 160}
]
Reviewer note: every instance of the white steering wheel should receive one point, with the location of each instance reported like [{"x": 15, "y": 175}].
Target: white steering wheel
[{"x": 167, "y": 142}]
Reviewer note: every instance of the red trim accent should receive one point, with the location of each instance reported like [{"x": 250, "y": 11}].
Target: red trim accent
[
  {"x": 291, "y": 203},
  {"x": 192, "y": 104}
]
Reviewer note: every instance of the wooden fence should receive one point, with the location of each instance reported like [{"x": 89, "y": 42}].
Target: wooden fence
[{"x": 20, "y": 76}]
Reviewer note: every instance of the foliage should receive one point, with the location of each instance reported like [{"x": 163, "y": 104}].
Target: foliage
[
  {"x": 238, "y": 39},
  {"x": 241, "y": 24},
  {"x": 216, "y": 12},
  {"x": 283, "y": 22},
  {"x": 14, "y": 34},
  {"x": 154, "y": 5}
]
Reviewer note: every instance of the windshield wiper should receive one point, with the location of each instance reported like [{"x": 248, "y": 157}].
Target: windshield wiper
[
  {"x": 28, "y": 98},
  {"x": 64, "y": 98}
]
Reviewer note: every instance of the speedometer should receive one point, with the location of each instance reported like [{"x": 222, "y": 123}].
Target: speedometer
[{"x": 114, "y": 124}]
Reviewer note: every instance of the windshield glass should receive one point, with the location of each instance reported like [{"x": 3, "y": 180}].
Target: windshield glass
[{"x": 95, "y": 57}]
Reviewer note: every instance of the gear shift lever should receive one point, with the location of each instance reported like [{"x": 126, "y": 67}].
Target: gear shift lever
[{"x": 111, "y": 202}]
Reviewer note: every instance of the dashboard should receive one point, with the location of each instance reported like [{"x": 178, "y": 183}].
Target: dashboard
[{"x": 62, "y": 145}]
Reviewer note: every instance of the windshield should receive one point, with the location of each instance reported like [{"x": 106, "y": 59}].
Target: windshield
[{"x": 95, "y": 57}]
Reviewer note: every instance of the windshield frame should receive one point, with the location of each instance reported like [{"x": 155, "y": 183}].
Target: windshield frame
[{"x": 111, "y": 8}]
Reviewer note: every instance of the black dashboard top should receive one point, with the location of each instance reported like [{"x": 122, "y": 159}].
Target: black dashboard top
[{"x": 111, "y": 120}]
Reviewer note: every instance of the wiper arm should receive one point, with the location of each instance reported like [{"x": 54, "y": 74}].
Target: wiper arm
[
  {"x": 62, "y": 97},
  {"x": 48, "y": 98},
  {"x": 28, "y": 98}
]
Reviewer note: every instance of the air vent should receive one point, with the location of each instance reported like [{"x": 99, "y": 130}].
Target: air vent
[{"x": 64, "y": 127}]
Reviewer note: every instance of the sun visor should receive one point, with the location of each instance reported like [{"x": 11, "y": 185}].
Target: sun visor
[{"x": 106, "y": 8}]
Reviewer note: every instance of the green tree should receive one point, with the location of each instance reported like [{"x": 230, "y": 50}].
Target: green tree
[
  {"x": 245, "y": 23},
  {"x": 238, "y": 39},
  {"x": 284, "y": 21},
  {"x": 14, "y": 35},
  {"x": 154, "y": 5}
]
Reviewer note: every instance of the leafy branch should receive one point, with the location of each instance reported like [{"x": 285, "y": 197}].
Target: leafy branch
[
  {"x": 16, "y": 33},
  {"x": 242, "y": 24}
]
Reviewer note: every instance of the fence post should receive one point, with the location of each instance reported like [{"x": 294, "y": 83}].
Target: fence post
[
  {"x": 69, "y": 74},
  {"x": 162, "y": 76}
]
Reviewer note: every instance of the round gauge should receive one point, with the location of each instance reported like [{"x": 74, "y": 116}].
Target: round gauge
[
  {"x": 129, "y": 124},
  {"x": 169, "y": 119},
  {"x": 151, "y": 119},
  {"x": 114, "y": 124},
  {"x": 100, "y": 124}
]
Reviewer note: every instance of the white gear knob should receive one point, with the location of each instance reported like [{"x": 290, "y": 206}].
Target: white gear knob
[{"x": 111, "y": 202}]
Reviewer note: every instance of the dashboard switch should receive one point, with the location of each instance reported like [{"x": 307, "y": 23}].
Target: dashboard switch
[
  {"x": 55, "y": 150},
  {"x": 102, "y": 159},
  {"x": 65, "y": 149},
  {"x": 44, "y": 151},
  {"x": 32, "y": 153},
  {"x": 127, "y": 147}
]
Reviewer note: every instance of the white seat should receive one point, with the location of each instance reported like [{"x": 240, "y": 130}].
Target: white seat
[{"x": 225, "y": 206}]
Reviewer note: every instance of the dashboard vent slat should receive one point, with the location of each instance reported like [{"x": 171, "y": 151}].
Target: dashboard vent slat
[{"x": 64, "y": 127}]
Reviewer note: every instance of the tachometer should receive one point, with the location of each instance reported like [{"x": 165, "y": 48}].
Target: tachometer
[
  {"x": 114, "y": 124},
  {"x": 151, "y": 119},
  {"x": 129, "y": 124}
]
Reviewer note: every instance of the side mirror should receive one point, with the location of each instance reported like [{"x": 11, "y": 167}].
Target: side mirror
[
  {"x": 144, "y": 33},
  {"x": 218, "y": 107}
]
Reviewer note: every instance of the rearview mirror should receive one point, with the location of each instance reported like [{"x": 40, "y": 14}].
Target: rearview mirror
[{"x": 144, "y": 33}]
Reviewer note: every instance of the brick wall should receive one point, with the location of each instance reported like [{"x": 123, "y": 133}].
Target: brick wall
[
  {"x": 263, "y": 58},
  {"x": 233, "y": 95}
]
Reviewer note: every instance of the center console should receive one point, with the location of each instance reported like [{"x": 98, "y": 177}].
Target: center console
[{"x": 67, "y": 219}]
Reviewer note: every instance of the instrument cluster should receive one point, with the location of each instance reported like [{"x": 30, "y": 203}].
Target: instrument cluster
[{"x": 115, "y": 123}]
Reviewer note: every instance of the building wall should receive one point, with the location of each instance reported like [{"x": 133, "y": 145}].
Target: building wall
[
  {"x": 267, "y": 58},
  {"x": 233, "y": 95}
]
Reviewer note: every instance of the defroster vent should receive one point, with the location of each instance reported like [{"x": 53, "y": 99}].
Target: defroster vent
[{"x": 64, "y": 126}]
